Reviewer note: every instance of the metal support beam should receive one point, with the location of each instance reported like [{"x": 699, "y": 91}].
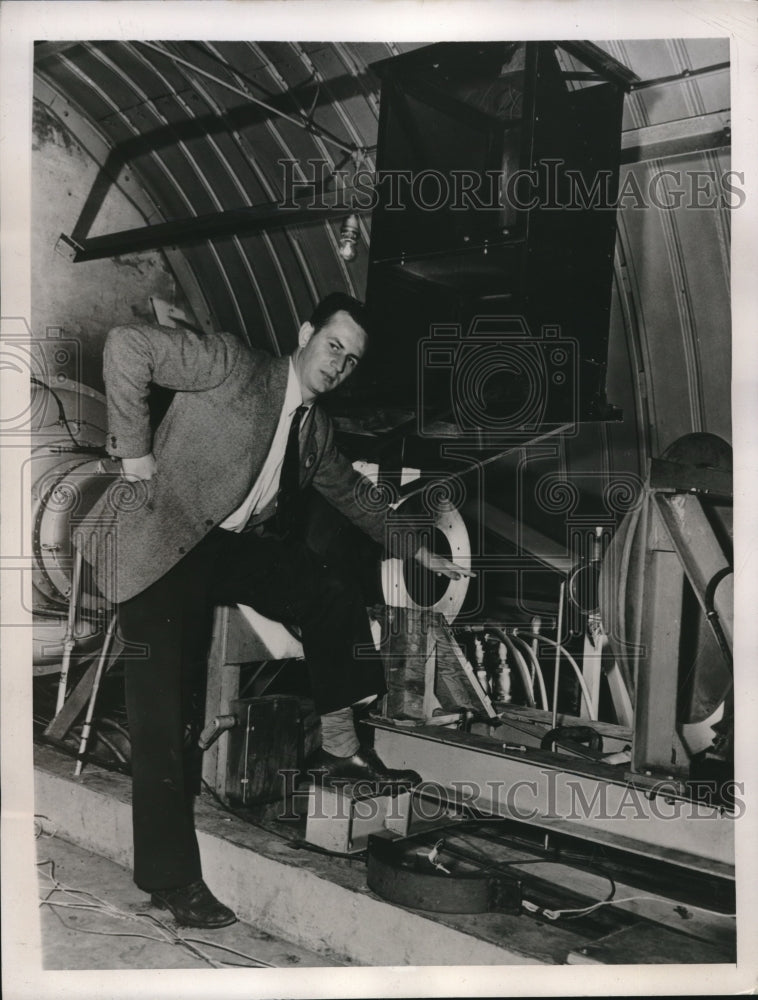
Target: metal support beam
[
  {"x": 654, "y": 748},
  {"x": 581, "y": 799},
  {"x": 702, "y": 557},
  {"x": 602, "y": 62},
  {"x": 688, "y": 135},
  {"x": 527, "y": 539},
  {"x": 216, "y": 225},
  {"x": 665, "y": 475},
  {"x": 100, "y": 151}
]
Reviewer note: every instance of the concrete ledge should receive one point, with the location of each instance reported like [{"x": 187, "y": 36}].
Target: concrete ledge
[{"x": 314, "y": 900}]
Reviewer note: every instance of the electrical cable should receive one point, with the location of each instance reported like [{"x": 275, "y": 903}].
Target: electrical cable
[
  {"x": 568, "y": 913},
  {"x": 582, "y": 911},
  {"x": 107, "y": 720},
  {"x": 63, "y": 419},
  {"x": 233, "y": 951},
  {"x": 573, "y": 912},
  {"x": 712, "y": 615},
  {"x": 537, "y": 668},
  {"x": 301, "y": 120},
  {"x": 39, "y": 831},
  {"x": 486, "y": 865},
  {"x": 528, "y": 905},
  {"x": 168, "y": 936},
  {"x": 521, "y": 663},
  {"x": 113, "y": 749},
  {"x": 577, "y": 671}
]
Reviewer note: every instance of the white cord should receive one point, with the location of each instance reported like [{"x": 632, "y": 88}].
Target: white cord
[
  {"x": 556, "y": 914},
  {"x": 577, "y": 671},
  {"x": 168, "y": 935},
  {"x": 521, "y": 663},
  {"x": 537, "y": 667}
]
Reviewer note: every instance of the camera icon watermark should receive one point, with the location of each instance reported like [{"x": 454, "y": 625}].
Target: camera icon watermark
[
  {"x": 34, "y": 370},
  {"x": 497, "y": 379}
]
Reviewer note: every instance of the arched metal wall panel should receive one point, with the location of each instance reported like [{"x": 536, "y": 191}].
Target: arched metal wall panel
[
  {"x": 198, "y": 146},
  {"x": 681, "y": 302},
  {"x": 61, "y": 72},
  {"x": 679, "y": 98},
  {"x": 217, "y": 289},
  {"x": 706, "y": 287},
  {"x": 626, "y": 383}
]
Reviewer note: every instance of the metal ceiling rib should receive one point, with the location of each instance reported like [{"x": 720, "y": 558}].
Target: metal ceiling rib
[
  {"x": 233, "y": 246},
  {"x": 318, "y": 242},
  {"x": 312, "y": 237},
  {"x": 279, "y": 257},
  {"x": 199, "y": 148},
  {"x": 284, "y": 284},
  {"x": 98, "y": 104},
  {"x": 198, "y": 143},
  {"x": 92, "y": 142},
  {"x": 329, "y": 62},
  {"x": 672, "y": 266},
  {"x": 194, "y": 184}
]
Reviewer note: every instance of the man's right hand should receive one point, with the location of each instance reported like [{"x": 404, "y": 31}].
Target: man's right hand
[{"x": 139, "y": 468}]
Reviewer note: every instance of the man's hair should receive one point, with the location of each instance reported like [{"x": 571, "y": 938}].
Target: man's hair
[{"x": 340, "y": 302}]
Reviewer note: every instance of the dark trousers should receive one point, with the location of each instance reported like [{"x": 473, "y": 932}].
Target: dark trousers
[{"x": 167, "y": 628}]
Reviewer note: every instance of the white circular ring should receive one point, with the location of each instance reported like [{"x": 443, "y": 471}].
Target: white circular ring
[{"x": 453, "y": 527}]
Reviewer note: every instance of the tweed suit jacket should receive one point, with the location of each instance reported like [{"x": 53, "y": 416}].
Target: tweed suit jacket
[{"x": 209, "y": 449}]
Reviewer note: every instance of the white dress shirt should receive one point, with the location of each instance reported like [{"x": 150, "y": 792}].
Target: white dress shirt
[{"x": 266, "y": 486}]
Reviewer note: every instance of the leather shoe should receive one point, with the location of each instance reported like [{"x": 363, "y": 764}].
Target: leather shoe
[
  {"x": 365, "y": 765},
  {"x": 194, "y": 905}
]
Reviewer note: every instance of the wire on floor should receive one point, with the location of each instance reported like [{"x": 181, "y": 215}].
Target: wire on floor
[
  {"x": 83, "y": 899},
  {"x": 582, "y": 911}
]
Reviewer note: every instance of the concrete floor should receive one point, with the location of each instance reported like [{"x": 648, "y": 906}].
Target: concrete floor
[
  {"x": 286, "y": 893},
  {"x": 322, "y": 902},
  {"x": 101, "y": 920}
]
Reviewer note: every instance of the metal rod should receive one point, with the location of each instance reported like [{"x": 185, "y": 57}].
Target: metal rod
[
  {"x": 686, "y": 74},
  {"x": 234, "y": 222},
  {"x": 559, "y": 631},
  {"x": 69, "y": 639},
  {"x": 536, "y": 625},
  {"x": 582, "y": 682},
  {"x": 87, "y": 727},
  {"x": 419, "y": 485},
  {"x": 301, "y": 122}
]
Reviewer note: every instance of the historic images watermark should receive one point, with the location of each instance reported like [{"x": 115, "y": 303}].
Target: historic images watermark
[
  {"x": 546, "y": 795},
  {"x": 551, "y": 185}
]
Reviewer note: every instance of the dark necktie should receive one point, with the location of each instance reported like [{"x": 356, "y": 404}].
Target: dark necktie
[{"x": 289, "y": 481}]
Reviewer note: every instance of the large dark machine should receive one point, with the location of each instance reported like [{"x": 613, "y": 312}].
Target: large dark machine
[{"x": 497, "y": 170}]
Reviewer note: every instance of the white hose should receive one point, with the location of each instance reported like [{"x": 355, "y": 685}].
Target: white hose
[
  {"x": 537, "y": 667},
  {"x": 521, "y": 664},
  {"x": 577, "y": 671}
]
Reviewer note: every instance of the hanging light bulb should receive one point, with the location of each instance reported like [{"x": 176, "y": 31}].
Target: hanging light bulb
[{"x": 348, "y": 243}]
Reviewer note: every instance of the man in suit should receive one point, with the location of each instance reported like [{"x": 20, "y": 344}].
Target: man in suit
[{"x": 205, "y": 515}]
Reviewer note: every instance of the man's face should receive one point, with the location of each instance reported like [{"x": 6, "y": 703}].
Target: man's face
[{"x": 325, "y": 359}]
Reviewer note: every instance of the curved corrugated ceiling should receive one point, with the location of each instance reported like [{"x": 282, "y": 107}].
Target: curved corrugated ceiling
[
  {"x": 200, "y": 146},
  {"x": 182, "y": 117}
]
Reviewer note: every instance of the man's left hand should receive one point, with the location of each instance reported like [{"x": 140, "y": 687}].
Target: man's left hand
[{"x": 440, "y": 565}]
